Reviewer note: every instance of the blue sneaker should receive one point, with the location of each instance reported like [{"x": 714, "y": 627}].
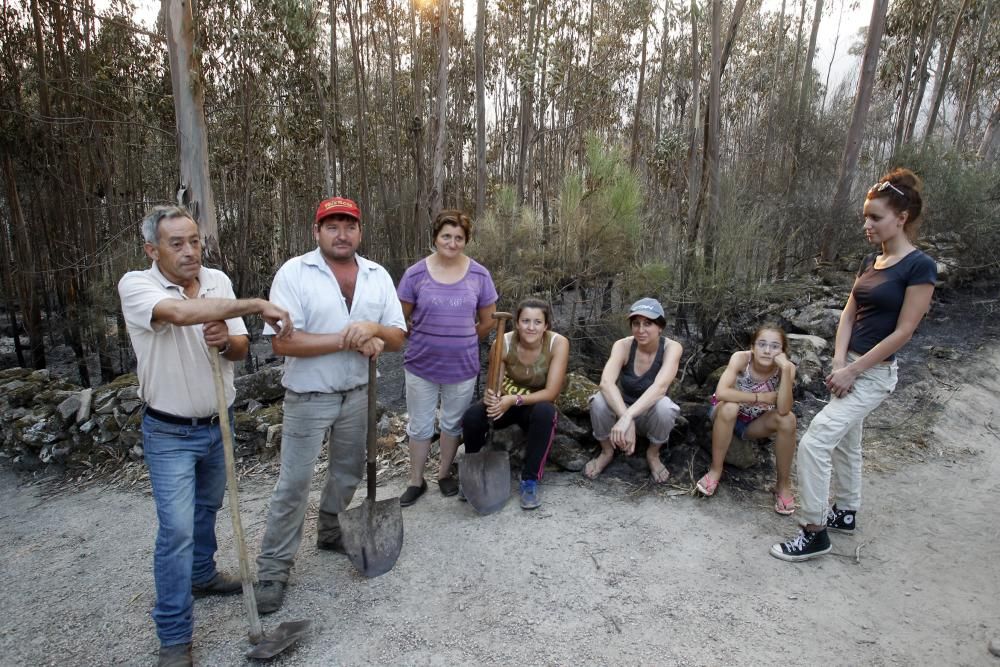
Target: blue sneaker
[{"x": 529, "y": 494}]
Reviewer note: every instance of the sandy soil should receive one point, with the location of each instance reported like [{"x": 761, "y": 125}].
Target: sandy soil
[{"x": 606, "y": 572}]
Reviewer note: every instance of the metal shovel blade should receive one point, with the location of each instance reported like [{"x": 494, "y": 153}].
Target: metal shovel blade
[
  {"x": 279, "y": 639},
  {"x": 373, "y": 535},
  {"x": 485, "y": 479}
]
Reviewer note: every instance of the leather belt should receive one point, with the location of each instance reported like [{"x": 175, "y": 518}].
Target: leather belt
[{"x": 181, "y": 421}]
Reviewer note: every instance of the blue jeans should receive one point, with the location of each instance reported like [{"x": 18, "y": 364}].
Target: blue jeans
[{"x": 187, "y": 469}]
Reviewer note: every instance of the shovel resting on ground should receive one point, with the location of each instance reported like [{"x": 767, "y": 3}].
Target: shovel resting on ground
[
  {"x": 373, "y": 531},
  {"x": 485, "y": 474},
  {"x": 265, "y": 646}
]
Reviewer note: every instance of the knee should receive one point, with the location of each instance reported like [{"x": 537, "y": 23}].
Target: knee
[
  {"x": 473, "y": 415},
  {"x": 545, "y": 412},
  {"x": 787, "y": 423},
  {"x": 176, "y": 531},
  {"x": 727, "y": 411},
  {"x": 666, "y": 409}
]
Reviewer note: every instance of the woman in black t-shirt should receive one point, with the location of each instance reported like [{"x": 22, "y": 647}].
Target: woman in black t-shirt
[{"x": 891, "y": 294}]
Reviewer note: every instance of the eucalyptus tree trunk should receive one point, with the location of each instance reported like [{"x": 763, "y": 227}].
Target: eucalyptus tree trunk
[
  {"x": 694, "y": 176},
  {"x": 420, "y": 221},
  {"x": 942, "y": 79},
  {"x": 904, "y": 96},
  {"x": 787, "y": 106},
  {"x": 714, "y": 126},
  {"x": 441, "y": 113},
  {"x": 833, "y": 55},
  {"x": 806, "y": 91},
  {"x": 29, "y": 285},
  {"x": 360, "y": 112},
  {"x": 664, "y": 32},
  {"x": 637, "y": 115},
  {"x": 925, "y": 53},
  {"x": 335, "y": 90},
  {"x": 542, "y": 161},
  {"x": 526, "y": 81},
  {"x": 329, "y": 178},
  {"x": 991, "y": 137},
  {"x": 852, "y": 149},
  {"x": 187, "y": 84},
  {"x": 480, "y": 108},
  {"x": 771, "y": 117},
  {"x": 970, "y": 87},
  {"x": 458, "y": 149},
  {"x": 695, "y": 155}
]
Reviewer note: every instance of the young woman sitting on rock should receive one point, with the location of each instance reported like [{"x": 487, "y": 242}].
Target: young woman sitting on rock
[
  {"x": 754, "y": 400},
  {"x": 534, "y": 371},
  {"x": 633, "y": 398}
]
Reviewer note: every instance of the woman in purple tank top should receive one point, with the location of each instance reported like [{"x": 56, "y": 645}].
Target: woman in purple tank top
[
  {"x": 754, "y": 400},
  {"x": 448, "y": 299}
]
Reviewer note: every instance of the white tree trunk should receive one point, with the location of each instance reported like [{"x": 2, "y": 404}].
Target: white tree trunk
[
  {"x": 852, "y": 150},
  {"x": 441, "y": 129},
  {"x": 195, "y": 189}
]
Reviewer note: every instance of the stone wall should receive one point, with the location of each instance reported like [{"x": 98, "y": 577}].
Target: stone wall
[{"x": 48, "y": 421}]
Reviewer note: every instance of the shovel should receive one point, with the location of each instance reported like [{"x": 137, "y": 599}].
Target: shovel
[
  {"x": 265, "y": 646},
  {"x": 373, "y": 531},
  {"x": 485, "y": 474}
]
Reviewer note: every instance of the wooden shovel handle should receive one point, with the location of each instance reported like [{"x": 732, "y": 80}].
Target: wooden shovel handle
[
  {"x": 493, "y": 379},
  {"x": 256, "y": 629},
  {"x": 370, "y": 438}
]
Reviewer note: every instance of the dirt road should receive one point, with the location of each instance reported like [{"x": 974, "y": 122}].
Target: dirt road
[{"x": 603, "y": 573}]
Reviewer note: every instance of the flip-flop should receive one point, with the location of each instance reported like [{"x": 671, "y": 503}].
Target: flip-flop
[
  {"x": 784, "y": 505},
  {"x": 707, "y": 486}
]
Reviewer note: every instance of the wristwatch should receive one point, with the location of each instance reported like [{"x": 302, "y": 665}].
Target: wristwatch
[{"x": 519, "y": 400}]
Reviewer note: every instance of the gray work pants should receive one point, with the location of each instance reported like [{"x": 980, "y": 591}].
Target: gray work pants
[{"x": 307, "y": 419}]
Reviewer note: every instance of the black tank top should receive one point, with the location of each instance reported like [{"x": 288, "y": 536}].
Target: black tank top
[{"x": 632, "y": 385}]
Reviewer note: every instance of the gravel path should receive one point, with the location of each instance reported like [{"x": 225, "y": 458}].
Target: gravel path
[{"x": 606, "y": 572}]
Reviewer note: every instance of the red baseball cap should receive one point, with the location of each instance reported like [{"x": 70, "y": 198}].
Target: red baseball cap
[{"x": 337, "y": 206}]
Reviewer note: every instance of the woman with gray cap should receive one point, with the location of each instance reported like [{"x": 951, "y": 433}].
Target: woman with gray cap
[{"x": 633, "y": 397}]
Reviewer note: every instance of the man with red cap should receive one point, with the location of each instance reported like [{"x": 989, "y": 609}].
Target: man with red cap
[{"x": 344, "y": 310}]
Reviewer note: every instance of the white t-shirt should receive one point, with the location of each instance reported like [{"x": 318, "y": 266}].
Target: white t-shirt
[
  {"x": 174, "y": 369},
  {"x": 306, "y": 287}
]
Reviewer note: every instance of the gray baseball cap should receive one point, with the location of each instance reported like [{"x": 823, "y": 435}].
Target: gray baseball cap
[{"x": 648, "y": 308}]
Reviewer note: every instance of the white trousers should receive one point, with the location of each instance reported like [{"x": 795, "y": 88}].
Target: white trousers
[{"x": 832, "y": 446}]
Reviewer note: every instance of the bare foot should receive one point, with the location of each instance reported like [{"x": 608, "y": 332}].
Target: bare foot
[
  {"x": 658, "y": 471},
  {"x": 597, "y": 465}
]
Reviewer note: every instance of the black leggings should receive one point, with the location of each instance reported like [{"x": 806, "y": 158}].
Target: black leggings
[{"x": 538, "y": 421}]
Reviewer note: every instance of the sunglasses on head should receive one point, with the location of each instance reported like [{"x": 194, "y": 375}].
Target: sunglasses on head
[{"x": 886, "y": 185}]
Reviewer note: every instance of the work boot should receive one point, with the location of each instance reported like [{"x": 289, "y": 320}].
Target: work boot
[
  {"x": 220, "y": 584},
  {"x": 177, "y": 655},
  {"x": 270, "y": 594},
  {"x": 328, "y": 535}
]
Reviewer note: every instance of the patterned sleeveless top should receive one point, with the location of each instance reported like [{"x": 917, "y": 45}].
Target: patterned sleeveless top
[
  {"x": 521, "y": 378},
  {"x": 746, "y": 382}
]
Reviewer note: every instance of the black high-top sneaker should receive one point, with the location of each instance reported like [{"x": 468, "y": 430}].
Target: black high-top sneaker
[
  {"x": 840, "y": 520},
  {"x": 803, "y": 547}
]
